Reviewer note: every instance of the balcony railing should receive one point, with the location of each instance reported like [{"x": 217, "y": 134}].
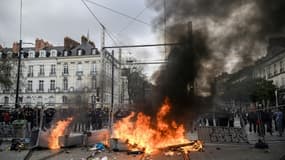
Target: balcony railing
[
  {"x": 40, "y": 90},
  {"x": 41, "y": 74},
  {"x": 93, "y": 73},
  {"x": 79, "y": 73},
  {"x": 65, "y": 73},
  {"x": 29, "y": 90},
  {"x": 6, "y": 91},
  {"x": 52, "y": 74},
  {"x": 30, "y": 75},
  {"x": 51, "y": 90}
]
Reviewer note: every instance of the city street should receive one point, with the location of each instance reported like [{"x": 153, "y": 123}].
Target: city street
[
  {"x": 211, "y": 151},
  {"x": 142, "y": 80}
]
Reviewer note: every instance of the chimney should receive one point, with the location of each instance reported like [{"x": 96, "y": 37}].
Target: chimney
[
  {"x": 70, "y": 43},
  {"x": 41, "y": 44},
  {"x": 84, "y": 40},
  {"x": 15, "y": 47}
]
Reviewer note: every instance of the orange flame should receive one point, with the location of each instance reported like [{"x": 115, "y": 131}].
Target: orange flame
[
  {"x": 139, "y": 132},
  {"x": 57, "y": 131}
]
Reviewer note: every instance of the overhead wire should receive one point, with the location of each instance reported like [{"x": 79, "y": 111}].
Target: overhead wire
[
  {"x": 100, "y": 23},
  {"x": 118, "y": 12},
  {"x": 131, "y": 21}
]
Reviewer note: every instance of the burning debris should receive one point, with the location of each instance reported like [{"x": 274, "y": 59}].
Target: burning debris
[
  {"x": 56, "y": 131},
  {"x": 145, "y": 134}
]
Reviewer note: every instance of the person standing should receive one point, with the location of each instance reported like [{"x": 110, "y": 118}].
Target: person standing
[
  {"x": 252, "y": 119},
  {"x": 279, "y": 121}
]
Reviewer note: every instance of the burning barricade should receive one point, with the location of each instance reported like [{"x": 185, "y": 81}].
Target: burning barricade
[{"x": 141, "y": 133}]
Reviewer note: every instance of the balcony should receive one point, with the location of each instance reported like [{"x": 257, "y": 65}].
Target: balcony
[
  {"x": 93, "y": 73},
  {"x": 79, "y": 73},
  {"x": 51, "y": 90},
  {"x": 30, "y": 75},
  {"x": 52, "y": 74},
  {"x": 40, "y": 90},
  {"x": 6, "y": 91},
  {"x": 41, "y": 74},
  {"x": 275, "y": 72},
  {"x": 29, "y": 90},
  {"x": 65, "y": 74}
]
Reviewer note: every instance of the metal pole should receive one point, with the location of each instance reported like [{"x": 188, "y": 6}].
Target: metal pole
[
  {"x": 18, "y": 76},
  {"x": 19, "y": 59},
  {"x": 112, "y": 94}
]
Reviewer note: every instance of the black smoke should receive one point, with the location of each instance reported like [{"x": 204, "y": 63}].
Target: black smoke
[{"x": 227, "y": 36}]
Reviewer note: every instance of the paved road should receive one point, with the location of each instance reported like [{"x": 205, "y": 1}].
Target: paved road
[{"x": 212, "y": 151}]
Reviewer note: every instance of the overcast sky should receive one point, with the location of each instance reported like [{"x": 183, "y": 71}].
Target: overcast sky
[{"x": 52, "y": 20}]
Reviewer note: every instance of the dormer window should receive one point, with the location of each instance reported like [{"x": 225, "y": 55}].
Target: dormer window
[
  {"x": 42, "y": 53},
  {"x": 53, "y": 53},
  {"x": 94, "y": 51},
  {"x": 79, "y": 52},
  {"x": 31, "y": 54},
  {"x": 65, "y": 53}
]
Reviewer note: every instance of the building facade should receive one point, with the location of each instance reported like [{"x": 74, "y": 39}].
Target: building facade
[{"x": 63, "y": 76}]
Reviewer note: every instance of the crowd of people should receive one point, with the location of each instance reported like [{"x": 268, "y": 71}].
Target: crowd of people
[
  {"x": 262, "y": 121},
  {"x": 83, "y": 119},
  {"x": 259, "y": 121}
]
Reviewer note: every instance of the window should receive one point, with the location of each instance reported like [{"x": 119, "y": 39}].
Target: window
[
  {"x": 79, "y": 69},
  {"x": 6, "y": 100},
  {"x": 93, "y": 69},
  {"x": 40, "y": 100},
  {"x": 65, "y": 68},
  {"x": 42, "y": 53},
  {"x": 42, "y": 70},
  {"x": 41, "y": 85},
  {"x": 79, "y": 52},
  {"x": 52, "y": 85},
  {"x": 52, "y": 69},
  {"x": 65, "y": 84},
  {"x": 31, "y": 54},
  {"x": 94, "y": 51},
  {"x": 51, "y": 100},
  {"x": 94, "y": 83},
  {"x": 93, "y": 99},
  {"x": 53, "y": 53},
  {"x": 65, "y": 53},
  {"x": 30, "y": 85},
  {"x": 281, "y": 66},
  {"x": 79, "y": 83},
  {"x": 275, "y": 69},
  {"x": 64, "y": 99},
  {"x": 30, "y": 71},
  {"x": 29, "y": 100}
]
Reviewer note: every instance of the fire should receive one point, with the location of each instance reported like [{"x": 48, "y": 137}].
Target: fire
[
  {"x": 140, "y": 133},
  {"x": 57, "y": 131}
]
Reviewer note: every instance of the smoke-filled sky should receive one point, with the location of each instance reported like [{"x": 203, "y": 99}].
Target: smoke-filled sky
[{"x": 235, "y": 31}]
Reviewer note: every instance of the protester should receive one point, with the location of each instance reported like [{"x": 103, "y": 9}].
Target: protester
[{"x": 279, "y": 121}]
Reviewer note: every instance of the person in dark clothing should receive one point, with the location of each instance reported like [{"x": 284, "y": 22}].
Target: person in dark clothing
[
  {"x": 260, "y": 122},
  {"x": 252, "y": 119},
  {"x": 268, "y": 121}
]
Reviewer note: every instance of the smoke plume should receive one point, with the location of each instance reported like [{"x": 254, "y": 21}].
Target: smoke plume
[
  {"x": 235, "y": 31},
  {"x": 225, "y": 36}
]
